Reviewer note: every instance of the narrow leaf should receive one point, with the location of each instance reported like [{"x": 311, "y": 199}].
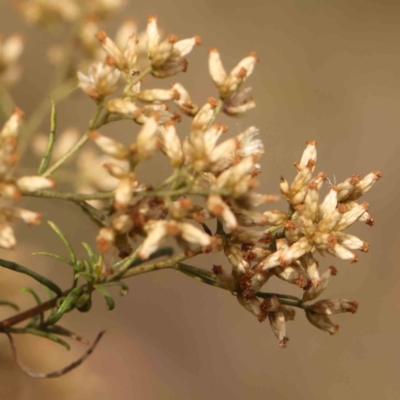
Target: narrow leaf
[
  {"x": 89, "y": 278},
  {"x": 37, "y": 277},
  {"x": 39, "y": 317},
  {"x": 59, "y": 330},
  {"x": 64, "y": 239},
  {"x": 38, "y": 301},
  {"x": 66, "y": 305},
  {"x": 199, "y": 274},
  {"x": 93, "y": 257},
  {"x": 9, "y": 304},
  {"x": 33, "y": 293},
  {"x": 50, "y": 144},
  {"x": 56, "y": 256},
  {"x": 48, "y": 335},
  {"x": 109, "y": 300}
]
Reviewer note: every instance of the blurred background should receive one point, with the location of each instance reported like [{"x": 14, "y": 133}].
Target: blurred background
[{"x": 329, "y": 71}]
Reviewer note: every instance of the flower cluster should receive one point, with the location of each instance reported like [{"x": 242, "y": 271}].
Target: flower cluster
[
  {"x": 311, "y": 226},
  {"x": 208, "y": 204},
  {"x": 258, "y": 244}
]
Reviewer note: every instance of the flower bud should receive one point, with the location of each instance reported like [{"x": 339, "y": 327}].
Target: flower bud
[
  {"x": 147, "y": 142},
  {"x": 278, "y": 320},
  {"x": 171, "y": 144},
  {"x": 221, "y": 210},
  {"x": 123, "y": 193},
  {"x": 310, "y": 153},
  {"x": 364, "y": 185},
  {"x": 34, "y": 183},
  {"x": 235, "y": 257},
  {"x": 157, "y": 95},
  {"x": 322, "y": 322},
  {"x": 112, "y": 49},
  {"x": 184, "y": 102},
  {"x": 191, "y": 234},
  {"x": 275, "y": 217},
  {"x": 105, "y": 239},
  {"x": 123, "y": 106},
  {"x": 109, "y": 145},
  {"x": 314, "y": 291},
  {"x": 347, "y": 187},
  {"x": 296, "y": 250},
  {"x": 351, "y": 216},
  {"x": 11, "y": 127},
  {"x": 333, "y": 306}
]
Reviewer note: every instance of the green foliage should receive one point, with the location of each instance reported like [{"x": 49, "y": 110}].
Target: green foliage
[{"x": 109, "y": 300}]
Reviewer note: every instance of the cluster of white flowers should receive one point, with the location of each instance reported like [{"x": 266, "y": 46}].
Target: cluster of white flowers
[
  {"x": 311, "y": 226},
  {"x": 225, "y": 174},
  {"x": 211, "y": 180}
]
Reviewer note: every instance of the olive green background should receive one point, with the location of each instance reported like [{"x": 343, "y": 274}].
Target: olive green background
[{"x": 329, "y": 71}]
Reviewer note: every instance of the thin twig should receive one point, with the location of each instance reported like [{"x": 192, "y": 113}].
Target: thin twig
[{"x": 54, "y": 374}]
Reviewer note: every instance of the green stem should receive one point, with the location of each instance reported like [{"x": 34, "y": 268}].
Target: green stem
[
  {"x": 280, "y": 296},
  {"x": 50, "y": 144},
  {"x": 78, "y": 145},
  {"x": 134, "y": 81},
  {"x": 94, "y": 124}
]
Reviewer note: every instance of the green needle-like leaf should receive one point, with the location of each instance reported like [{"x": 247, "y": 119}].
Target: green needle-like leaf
[
  {"x": 199, "y": 274},
  {"x": 66, "y": 305},
  {"x": 50, "y": 144},
  {"x": 48, "y": 335},
  {"x": 56, "y": 256},
  {"x": 59, "y": 330},
  {"x": 37, "y": 277},
  {"x": 109, "y": 300},
  {"x": 9, "y": 304},
  {"x": 33, "y": 293},
  {"x": 89, "y": 278},
  {"x": 38, "y": 301},
  {"x": 64, "y": 239},
  {"x": 93, "y": 257}
]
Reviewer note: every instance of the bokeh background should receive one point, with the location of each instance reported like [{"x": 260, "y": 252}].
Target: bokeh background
[{"x": 329, "y": 71}]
